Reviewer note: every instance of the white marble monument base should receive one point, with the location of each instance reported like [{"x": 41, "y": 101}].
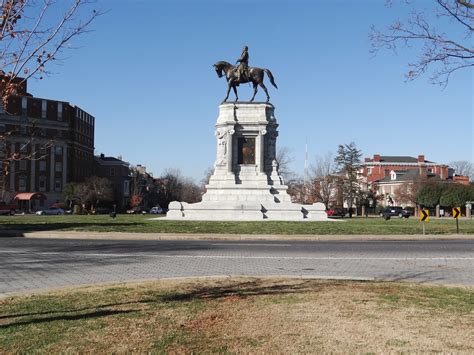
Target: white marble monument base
[
  {"x": 245, "y": 211},
  {"x": 245, "y": 184}
]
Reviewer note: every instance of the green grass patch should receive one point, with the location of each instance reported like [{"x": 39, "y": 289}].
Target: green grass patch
[
  {"x": 143, "y": 224},
  {"x": 452, "y": 299}
]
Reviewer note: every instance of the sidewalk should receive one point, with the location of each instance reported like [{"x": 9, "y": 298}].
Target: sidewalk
[{"x": 230, "y": 237}]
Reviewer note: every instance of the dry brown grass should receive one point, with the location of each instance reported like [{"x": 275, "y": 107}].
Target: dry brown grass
[{"x": 242, "y": 315}]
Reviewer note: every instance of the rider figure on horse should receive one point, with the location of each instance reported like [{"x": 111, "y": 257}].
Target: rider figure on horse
[{"x": 243, "y": 64}]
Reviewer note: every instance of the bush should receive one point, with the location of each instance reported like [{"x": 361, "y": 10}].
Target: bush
[
  {"x": 430, "y": 194},
  {"x": 455, "y": 195}
]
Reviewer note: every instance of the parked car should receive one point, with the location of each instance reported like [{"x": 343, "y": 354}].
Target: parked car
[
  {"x": 6, "y": 208},
  {"x": 158, "y": 210},
  {"x": 102, "y": 210},
  {"x": 395, "y": 211},
  {"x": 50, "y": 211},
  {"x": 336, "y": 212},
  {"x": 137, "y": 210}
]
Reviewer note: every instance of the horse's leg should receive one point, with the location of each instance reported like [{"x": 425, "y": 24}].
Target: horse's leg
[
  {"x": 229, "y": 84},
  {"x": 265, "y": 89},
  {"x": 255, "y": 87},
  {"x": 235, "y": 92}
]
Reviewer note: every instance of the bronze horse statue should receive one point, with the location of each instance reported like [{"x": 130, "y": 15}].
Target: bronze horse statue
[{"x": 253, "y": 75}]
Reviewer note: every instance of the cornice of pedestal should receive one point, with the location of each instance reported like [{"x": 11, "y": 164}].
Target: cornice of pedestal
[{"x": 246, "y": 113}]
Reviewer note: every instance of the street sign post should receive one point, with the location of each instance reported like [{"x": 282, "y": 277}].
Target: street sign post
[
  {"x": 456, "y": 215},
  {"x": 424, "y": 217}
]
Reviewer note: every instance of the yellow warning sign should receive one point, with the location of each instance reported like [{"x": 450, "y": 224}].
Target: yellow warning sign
[
  {"x": 424, "y": 215},
  {"x": 456, "y": 212}
]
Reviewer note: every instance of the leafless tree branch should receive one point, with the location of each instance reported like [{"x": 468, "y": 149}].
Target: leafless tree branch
[
  {"x": 29, "y": 38},
  {"x": 442, "y": 53}
]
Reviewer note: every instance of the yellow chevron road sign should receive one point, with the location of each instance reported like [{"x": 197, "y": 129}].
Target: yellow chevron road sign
[
  {"x": 425, "y": 215},
  {"x": 456, "y": 212}
]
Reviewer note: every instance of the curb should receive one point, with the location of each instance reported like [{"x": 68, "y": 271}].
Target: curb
[{"x": 229, "y": 237}]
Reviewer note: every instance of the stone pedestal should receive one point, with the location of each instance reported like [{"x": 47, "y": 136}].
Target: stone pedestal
[{"x": 246, "y": 184}]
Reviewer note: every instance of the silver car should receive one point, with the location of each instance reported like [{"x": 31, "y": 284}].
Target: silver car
[{"x": 50, "y": 211}]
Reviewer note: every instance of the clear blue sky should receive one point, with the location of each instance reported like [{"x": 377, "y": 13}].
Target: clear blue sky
[{"x": 145, "y": 74}]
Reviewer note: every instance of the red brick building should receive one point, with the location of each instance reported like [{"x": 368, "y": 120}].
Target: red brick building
[
  {"x": 394, "y": 176},
  {"x": 54, "y": 143},
  {"x": 380, "y": 167}
]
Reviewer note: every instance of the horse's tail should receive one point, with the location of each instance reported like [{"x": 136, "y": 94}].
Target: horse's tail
[{"x": 270, "y": 76}]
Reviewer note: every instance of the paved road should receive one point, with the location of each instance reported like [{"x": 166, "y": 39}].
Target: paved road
[{"x": 29, "y": 264}]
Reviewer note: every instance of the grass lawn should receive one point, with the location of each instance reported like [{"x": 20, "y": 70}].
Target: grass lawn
[
  {"x": 142, "y": 224},
  {"x": 242, "y": 315}
]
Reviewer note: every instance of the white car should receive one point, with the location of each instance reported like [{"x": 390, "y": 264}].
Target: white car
[
  {"x": 50, "y": 211},
  {"x": 156, "y": 210}
]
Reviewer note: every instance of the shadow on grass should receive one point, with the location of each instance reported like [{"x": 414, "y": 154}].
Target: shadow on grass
[
  {"x": 77, "y": 310},
  {"x": 52, "y": 226},
  {"x": 243, "y": 289},
  {"x": 96, "y": 314}
]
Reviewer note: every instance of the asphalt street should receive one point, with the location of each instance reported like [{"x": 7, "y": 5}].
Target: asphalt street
[{"x": 32, "y": 264}]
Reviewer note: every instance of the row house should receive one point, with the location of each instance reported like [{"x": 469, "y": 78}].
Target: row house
[{"x": 117, "y": 171}]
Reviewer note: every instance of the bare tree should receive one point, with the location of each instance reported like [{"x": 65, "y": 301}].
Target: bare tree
[
  {"x": 441, "y": 52},
  {"x": 207, "y": 176},
  {"x": 34, "y": 33},
  {"x": 323, "y": 177},
  {"x": 175, "y": 187},
  {"x": 27, "y": 151},
  {"x": 463, "y": 167},
  {"x": 100, "y": 189},
  {"x": 284, "y": 160},
  {"x": 408, "y": 192}
]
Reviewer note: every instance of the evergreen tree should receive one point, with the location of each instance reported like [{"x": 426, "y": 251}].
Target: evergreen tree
[{"x": 347, "y": 161}]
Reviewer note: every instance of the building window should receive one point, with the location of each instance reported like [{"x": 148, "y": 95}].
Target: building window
[
  {"x": 22, "y": 183},
  {"x": 126, "y": 188},
  {"x": 430, "y": 171},
  {"x": 23, "y": 147},
  {"x": 42, "y": 165},
  {"x": 43, "y": 132},
  {"x": 57, "y": 185},
  {"x": 112, "y": 171},
  {"x": 393, "y": 175},
  {"x": 58, "y": 150},
  {"x": 60, "y": 111},
  {"x": 58, "y": 167},
  {"x": 2, "y": 150},
  {"x": 42, "y": 183},
  {"x": 369, "y": 171},
  {"x": 23, "y": 165},
  {"x": 3, "y": 128}
]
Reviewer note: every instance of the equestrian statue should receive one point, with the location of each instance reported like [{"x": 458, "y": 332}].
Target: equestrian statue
[{"x": 242, "y": 74}]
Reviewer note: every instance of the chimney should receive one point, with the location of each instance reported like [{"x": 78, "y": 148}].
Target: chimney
[
  {"x": 367, "y": 160},
  {"x": 421, "y": 158},
  {"x": 119, "y": 157},
  {"x": 102, "y": 156},
  {"x": 377, "y": 157}
]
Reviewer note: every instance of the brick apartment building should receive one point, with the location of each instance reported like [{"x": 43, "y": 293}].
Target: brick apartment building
[{"x": 54, "y": 144}]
